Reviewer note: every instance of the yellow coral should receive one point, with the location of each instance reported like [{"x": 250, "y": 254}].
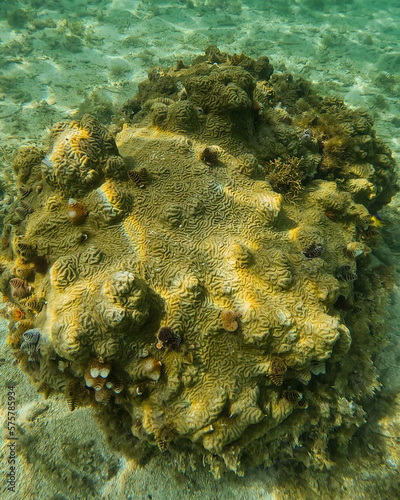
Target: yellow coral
[{"x": 209, "y": 233}]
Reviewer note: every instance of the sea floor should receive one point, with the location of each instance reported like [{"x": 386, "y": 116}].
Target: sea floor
[{"x": 60, "y": 59}]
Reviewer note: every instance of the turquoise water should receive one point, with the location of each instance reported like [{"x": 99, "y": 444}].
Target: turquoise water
[{"x": 62, "y": 59}]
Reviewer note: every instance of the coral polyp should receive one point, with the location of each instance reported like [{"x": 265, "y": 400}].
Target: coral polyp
[
  {"x": 20, "y": 288},
  {"x": 276, "y": 371},
  {"x": 31, "y": 343},
  {"x": 210, "y": 155},
  {"x": 139, "y": 177},
  {"x": 168, "y": 339},
  {"x": 230, "y": 320},
  {"x": 77, "y": 212},
  {"x": 313, "y": 251},
  {"x": 199, "y": 287}
]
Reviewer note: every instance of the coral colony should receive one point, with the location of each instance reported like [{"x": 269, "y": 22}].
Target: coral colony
[{"x": 196, "y": 272}]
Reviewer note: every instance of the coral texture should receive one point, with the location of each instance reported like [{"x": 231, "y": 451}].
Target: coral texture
[{"x": 168, "y": 285}]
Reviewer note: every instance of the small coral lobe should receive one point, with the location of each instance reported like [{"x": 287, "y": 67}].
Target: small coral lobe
[
  {"x": 168, "y": 339},
  {"x": 313, "y": 251},
  {"x": 115, "y": 168},
  {"x": 85, "y": 146},
  {"x": 26, "y": 160}
]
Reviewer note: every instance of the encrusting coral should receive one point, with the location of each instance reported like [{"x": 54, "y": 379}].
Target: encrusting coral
[{"x": 204, "y": 312}]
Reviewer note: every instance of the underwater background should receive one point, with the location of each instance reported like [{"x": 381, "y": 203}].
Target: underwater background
[{"x": 62, "y": 59}]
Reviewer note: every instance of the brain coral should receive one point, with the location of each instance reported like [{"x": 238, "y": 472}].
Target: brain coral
[{"x": 199, "y": 310}]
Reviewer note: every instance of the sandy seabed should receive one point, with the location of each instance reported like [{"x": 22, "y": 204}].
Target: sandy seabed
[{"x": 71, "y": 57}]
